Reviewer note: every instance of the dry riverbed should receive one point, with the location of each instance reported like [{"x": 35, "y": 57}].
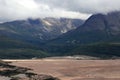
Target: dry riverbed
[{"x": 67, "y": 69}]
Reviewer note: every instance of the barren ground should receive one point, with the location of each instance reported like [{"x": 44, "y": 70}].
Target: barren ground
[{"x": 74, "y": 69}]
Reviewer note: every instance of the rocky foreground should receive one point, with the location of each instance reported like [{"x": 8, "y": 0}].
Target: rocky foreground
[{"x": 10, "y": 72}]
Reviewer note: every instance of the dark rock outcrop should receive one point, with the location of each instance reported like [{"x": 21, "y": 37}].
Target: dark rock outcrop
[{"x": 20, "y": 73}]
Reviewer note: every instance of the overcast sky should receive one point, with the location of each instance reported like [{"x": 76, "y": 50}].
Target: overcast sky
[{"x": 23, "y": 9}]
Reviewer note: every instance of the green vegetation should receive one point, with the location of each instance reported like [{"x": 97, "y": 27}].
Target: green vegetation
[
  {"x": 15, "y": 49},
  {"x": 101, "y": 50},
  {"x": 104, "y": 50},
  {"x": 21, "y": 54},
  {"x": 6, "y": 42}
]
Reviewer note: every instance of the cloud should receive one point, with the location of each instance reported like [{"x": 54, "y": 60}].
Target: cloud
[
  {"x": 19, "y": 9},
  {"x": 22, "y": 9},
  {"x": 84, "y": 6}
]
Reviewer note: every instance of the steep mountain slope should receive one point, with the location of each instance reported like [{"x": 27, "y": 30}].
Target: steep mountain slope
[
  {"x": 98, "y": 36},
  {"x": 97, "y": 28},
  {"x": 38, "y": 30}
]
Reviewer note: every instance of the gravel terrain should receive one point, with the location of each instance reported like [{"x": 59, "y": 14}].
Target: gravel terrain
[{"x": 67, "y": 69}]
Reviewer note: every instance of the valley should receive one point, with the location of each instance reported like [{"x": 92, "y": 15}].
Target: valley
[{"x": 59, "y": 40}]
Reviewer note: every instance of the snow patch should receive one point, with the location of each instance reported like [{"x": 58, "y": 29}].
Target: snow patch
[
  {"x": 64, "y": 31},
  {"x": 47, "y": 23}
]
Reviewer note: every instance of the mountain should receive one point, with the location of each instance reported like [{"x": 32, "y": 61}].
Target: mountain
[
  {"x": 25, "y": 38},
  {"x": 98, "y": 28},
  {"x": 98, "y": 36},
  {"x": 38, "y": 30}
]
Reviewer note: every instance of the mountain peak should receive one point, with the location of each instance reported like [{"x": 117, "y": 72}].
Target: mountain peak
[
  {"x": 41, "y": 28},
  {"x": 98, "y": 28},
  {"x": 34, "y": 21}
]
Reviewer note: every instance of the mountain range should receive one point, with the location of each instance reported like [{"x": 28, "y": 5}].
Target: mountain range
[
  {"x": 38, "y": 30},
  {"x": 24, "y": 38},
  {"x": 98, "y": 36}
]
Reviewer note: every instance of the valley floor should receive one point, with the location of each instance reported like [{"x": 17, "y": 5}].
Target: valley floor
[{"x": 68, "y": 69}]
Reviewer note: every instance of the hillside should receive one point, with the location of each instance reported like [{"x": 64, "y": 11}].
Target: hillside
[
  {"x": 11, "y": 48},
  {"x": 99, "y": 36},
  {"x": 100, "y": 50},
  {"x": 25, "y": 38},
  {"x": 93, "y": 38},
  {"x": 98, "y": 28}
]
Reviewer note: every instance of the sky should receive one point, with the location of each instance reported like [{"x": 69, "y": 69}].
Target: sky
[{"x": 22, "y": 9}]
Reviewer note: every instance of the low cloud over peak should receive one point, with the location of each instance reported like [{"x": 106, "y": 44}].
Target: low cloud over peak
[
  {"x": 22, "y": 9},
  {"x": 84, "y": 6}
]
